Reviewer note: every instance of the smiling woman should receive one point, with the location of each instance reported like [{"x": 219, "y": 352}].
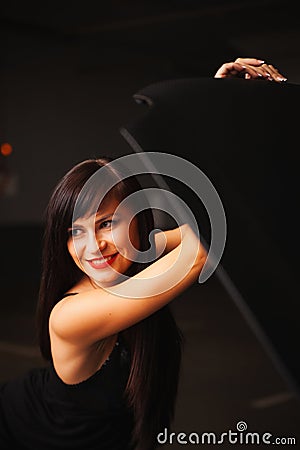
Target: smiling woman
[{"x": 103, "y": 320}]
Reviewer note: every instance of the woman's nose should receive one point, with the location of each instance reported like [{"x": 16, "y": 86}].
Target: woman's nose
[
  {"x": 94, "y": 244},
  {"x": 101, "y": 244}
]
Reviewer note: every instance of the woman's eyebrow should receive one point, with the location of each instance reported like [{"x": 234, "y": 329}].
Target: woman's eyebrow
[{"x": 99, "y": 219}]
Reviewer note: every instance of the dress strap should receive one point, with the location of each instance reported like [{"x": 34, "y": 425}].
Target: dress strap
[{"x": 70, "y": 293}]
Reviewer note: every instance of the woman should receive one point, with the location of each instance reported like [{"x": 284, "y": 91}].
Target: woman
[
  {"x": 104, "y": 323},
  {"x": 81, "y": 400}
]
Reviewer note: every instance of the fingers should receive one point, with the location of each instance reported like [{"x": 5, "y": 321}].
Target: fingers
[
  {"x": 234, "y": 69},
  {"x": 250, "y": 68},
  {"x": 251, "y": 61},
  {"x": 266, "y": 71},
  {"x": 274, "y": 74},
  {"x": 254, "y": 72},
  {"x": 231, "y": 69}
]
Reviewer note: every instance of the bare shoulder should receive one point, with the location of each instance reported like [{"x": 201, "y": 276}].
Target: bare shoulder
[
  {"x": 75, "y": 359},
  {"x": 80, "y": 319},
  {"x": 70, "y": 304},
  {"x": 78, "y": 349},
  {"x": 59, "y": 308},
  {"x": 69, "y": 301}
]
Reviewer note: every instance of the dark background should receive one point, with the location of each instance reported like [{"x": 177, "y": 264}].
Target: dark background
[{"x": 68, "y": 74}]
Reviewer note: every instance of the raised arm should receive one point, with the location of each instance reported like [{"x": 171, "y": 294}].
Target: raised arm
[{"x": 93, "y": 315}]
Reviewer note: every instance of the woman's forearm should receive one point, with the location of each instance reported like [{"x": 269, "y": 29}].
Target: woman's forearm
[{"x": 167, "y": 240}]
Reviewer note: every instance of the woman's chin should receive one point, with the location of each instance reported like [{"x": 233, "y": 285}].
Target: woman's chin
[{"x": 111, "y": 281}]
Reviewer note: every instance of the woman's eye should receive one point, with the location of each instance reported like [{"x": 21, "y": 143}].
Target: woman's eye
[
  {"x": 106, "y": 224},
  {"x": 75, "y": 232}
]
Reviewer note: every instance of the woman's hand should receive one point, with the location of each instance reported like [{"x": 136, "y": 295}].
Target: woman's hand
[{"x": 249, "y": 68}]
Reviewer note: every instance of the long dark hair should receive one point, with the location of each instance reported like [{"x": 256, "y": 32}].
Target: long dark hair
[{"x": 155, "y": 343}]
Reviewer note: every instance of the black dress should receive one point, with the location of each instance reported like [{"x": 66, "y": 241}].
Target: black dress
[{"x": 39, "y": 411}]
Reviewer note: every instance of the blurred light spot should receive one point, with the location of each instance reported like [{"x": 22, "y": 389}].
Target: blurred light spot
[{"x": 6, "y": 149}]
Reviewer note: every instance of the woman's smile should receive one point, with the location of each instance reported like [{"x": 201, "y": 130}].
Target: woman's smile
[{"x": 102, "y": 263}]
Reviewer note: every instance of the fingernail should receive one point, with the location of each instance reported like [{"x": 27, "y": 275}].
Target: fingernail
[
  {"x": 261, "y": 61},
  {"x": 281, "y": 79}
]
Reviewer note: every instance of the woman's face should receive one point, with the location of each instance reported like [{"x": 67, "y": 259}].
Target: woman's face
[{"x": 101, "y": 245}]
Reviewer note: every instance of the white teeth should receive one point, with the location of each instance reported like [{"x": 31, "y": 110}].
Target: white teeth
[{"x": 101, "y": 261}]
